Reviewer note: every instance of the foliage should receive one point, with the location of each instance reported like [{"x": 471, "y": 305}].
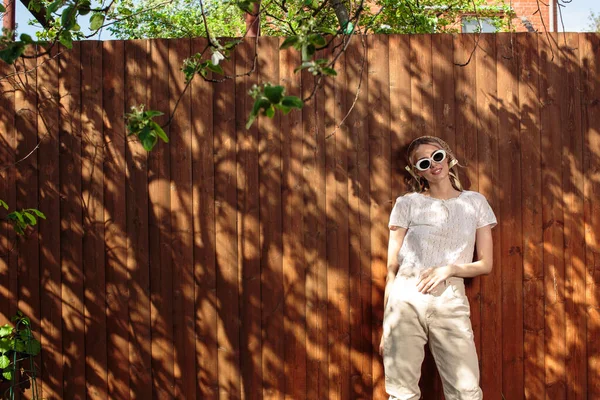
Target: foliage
[
  {"x": 20, "y": 220},
  {"x": 594, "y": 22},
  {"x": 16, "y": 343},
  {"x": 141, "y": 125},
  {"x": 267, "y": 98},
  {"x": 150, "y": 19}
]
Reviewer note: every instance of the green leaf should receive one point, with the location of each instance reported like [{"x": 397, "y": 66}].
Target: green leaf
[
  {"x": 84, "y": 7},
  {"x": 32, "y": 347},
  {"x": 317, "y": 40},
  {"x": 148, "y": 138},
  {"x": 6, "y": 330},
  {"x": 329, "y": 71},
  {"x": 30, "y": 218},
  {"x": 160, "y": 132},
  {"x": 52, "y": 8},
  {"x": 215, "y": 68},
  {"x": 292, "y": 102},
  {"x": 38, "y": 213},
  {"x": 67, "y": 19},
  {"x": 11, "y": 52},
  {"x": 285, "y": 110},
  {"x": 7, "y": 375},
  {"x": 5, "y": 345},
  {"x": 152, "y": 113},
  {"x": 96, "y": 21},
  {"x": 25, "y": 38},
  {"x": 274, "y": 93},
  {"x": 66, "y": 39},
  {"x": 2, "y": 9},
  {"x": 270, "y": 112},
  {"x": 289, "y": 42},
  {"x": 3, "y": 204},
  {"x": 4, "y": 361}
]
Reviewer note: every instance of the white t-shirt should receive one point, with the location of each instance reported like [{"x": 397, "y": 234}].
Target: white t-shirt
[{"x": 440, "y": 232}]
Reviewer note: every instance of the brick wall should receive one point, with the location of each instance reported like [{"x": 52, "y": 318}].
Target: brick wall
[{"x": 529, "y": 15}]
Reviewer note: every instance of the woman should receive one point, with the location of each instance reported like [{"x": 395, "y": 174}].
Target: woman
[{"x": 433, "y": 233}]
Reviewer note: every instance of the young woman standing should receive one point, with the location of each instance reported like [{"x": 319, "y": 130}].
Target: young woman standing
[{"x": 433, "y": 233}]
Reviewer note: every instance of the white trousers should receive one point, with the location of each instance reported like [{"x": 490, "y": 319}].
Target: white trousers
[{"x": 442, "y": 318}]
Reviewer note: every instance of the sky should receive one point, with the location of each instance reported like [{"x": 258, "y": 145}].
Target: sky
[{"x": 575, "y": 15}]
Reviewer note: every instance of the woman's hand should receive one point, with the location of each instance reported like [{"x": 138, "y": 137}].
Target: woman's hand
[{"x": 430, "y": 278}]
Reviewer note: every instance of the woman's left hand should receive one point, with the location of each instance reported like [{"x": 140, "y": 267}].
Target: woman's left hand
[{"x": 430, "y": 278}]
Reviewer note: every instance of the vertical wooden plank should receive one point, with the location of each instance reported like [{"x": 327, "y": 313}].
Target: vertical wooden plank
[
  {"x": 533, "y": 273},
  {"x": 269, "y": 163},
  {"x": 552, "y": 91},
  {"x": 400, "y": 109},
  {"x": 421, "y": 84},
  {"x": 226, "y": 235},
  {"x": 313, "y": 154},
  {"x": 294, "y": 276},
  {"x": 443, "y": 89},
  {"x": 508, "y": 206},
  {"x": 337, "y": 233},
  {"x": 92, "y": 151},
  {"x": 590, "y": 64},
  {"x": 8, "y": 254},
  {"x": 487, "y": 149},
  {"x": 207, "y": 386},
  {"x": 465, "y": 70},
  {"x": 140, "y": 384},
  {"x": 71, "y": 224},
  {"x": 159, "y": 228},
  {"x": 248, "y": 227},
  {"x": 49, "y": 230},
  {"x": 181, "y": 223},
  {"x": 358, "y": 220},
  {"x": 380, "y": 189},
  {"x": 27, "y": 188},
  {"x": 115, "y": 234},
  {"x": 572, "y": 182}
]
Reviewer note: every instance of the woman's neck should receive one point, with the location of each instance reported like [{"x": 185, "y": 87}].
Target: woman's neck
[{"x": 442, "y": 190}]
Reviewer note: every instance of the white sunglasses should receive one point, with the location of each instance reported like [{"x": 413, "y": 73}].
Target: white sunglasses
[{"x": 425, "y": 163}]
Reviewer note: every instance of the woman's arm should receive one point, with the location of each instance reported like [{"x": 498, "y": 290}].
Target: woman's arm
[
  {"x": 432, "y": 277},
  {"x": 395, "y": 244}
]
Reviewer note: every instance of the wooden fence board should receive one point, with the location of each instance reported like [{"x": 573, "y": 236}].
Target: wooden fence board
[
  {"x": 227, "y": 268},
  {"x": 49, "y": 230},
  {"x": 159, "y": 230},
  {"x": 380, "y": 191},
  {"x": 203, "y": 168},
  {"x": 137, "y": 230},
  {"x": 294, "y": 275},
  {"x": 358, "y": 220},
  {"x": 271, "y": 266},
  {"x": 574, "y": 253},
  {"x": 487, "y": 152},
  {"x": 92, "y": 180},
  {"x": 590, "y": 70},
  {"x": 181, "y": 223},
  {"x": 248, "y": 228},
  {"x": 533, "y": 274},
  {"x": 552, "y": 90},
  {"x": 115, "y": 234},
  {"x": 508, "y": 207},
  {"x": 71, "y": 225}
]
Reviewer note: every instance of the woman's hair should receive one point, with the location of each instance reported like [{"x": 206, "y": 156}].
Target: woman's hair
[{"x": 420, "y": 184}]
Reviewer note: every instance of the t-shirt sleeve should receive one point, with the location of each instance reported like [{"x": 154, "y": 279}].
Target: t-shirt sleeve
[
  {"x": 486, "y": 214},
  {"x": 400, "y": 216}
]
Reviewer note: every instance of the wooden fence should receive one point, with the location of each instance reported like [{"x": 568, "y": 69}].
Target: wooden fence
[{"x": 238, "y": 263}]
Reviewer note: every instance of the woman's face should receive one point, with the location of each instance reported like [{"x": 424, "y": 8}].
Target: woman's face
[{"x": 438, "y": 171}]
